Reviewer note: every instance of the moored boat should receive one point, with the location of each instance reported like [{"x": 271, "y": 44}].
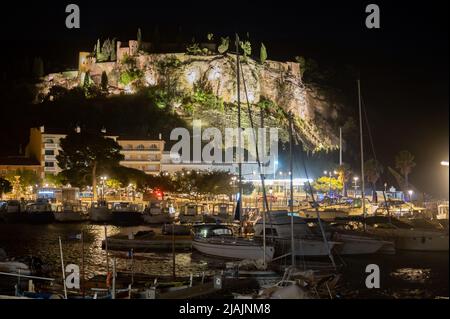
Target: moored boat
[
  {"x": 191, "y": 213},
  {"x": 100, "y": 212},
  {"x": 69, "y": 212},
  {"x": 40, "y": 212},
  {"x": 219, "y": 241},
  {"x": 407, "y": 236},
  {"x": 125, "y": 213},
  {"x": 278, "y": 229},
  {"x": 158, "y": 212}
]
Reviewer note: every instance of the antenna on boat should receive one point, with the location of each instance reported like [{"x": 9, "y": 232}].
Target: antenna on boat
[
  {"x": 291, "y": 182},
  {"x": 239, "y": 157},
  {"x": 363, "y": 196}
]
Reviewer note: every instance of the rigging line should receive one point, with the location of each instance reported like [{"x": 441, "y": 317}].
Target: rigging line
[
  {"x": 368, "y": 128},
  {"x": 263, "y": 186},
  {"x": 316, "y": 206}
]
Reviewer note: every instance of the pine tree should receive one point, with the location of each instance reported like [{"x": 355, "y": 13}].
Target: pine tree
[
  {"x": 113, "y": 50},
  {"x": 104, "y": 81},
  {"x": 263, "y": 54},
  {"x": 139, "y": 38},
  {"x": 87, "y": 80},
  {"x": 98, "y": 49}
]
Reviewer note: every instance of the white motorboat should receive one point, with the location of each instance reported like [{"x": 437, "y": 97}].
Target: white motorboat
[
  {"x": 442, "y": 212},
  {"x": 218, "y": 240},
  {"x": 191, "y": 213},
  {"x": 407, "y": 236},
  {"x": 125, "y": 213},
  {"x": 158, "y": 212},
  {"x": 69, "y": 212},
  {"x": 40, "y": 211},
  {"x": 278, "y": 228},
  {"x": 100, "y": 212}
]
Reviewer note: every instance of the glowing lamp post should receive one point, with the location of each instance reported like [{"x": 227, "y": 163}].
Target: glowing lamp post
[
  {"x": 444, "y": 163},
  {"x": 355, "y": 186},
  {"x": 103, "y": 180},
  {"x": 410, "y": 193}
]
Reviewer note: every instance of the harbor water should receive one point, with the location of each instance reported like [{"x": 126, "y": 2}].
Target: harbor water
[{"x": 403, "y": 275}]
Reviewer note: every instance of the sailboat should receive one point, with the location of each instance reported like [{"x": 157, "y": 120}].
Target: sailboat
[{"x": 220, "y": 241}]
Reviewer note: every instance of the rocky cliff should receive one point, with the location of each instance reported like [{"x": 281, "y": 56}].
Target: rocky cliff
[{"x": 205, "y": 87}]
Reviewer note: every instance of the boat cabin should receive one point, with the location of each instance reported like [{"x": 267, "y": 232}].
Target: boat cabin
[{"x": 212, "y": 230}]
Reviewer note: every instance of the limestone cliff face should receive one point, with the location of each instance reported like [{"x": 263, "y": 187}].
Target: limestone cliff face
[{"x": 277, "y": 82}]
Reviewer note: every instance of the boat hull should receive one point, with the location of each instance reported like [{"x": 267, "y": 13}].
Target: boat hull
[
  {"x": 415, "y": 240},
  {"x": 100, "y": 214},
  {"x": 231, "y": 251},
  {"x": 68, "y": 217},
  {"x": 157, "y": 219},
  {"x": 127, "y": 218},
  {"x": 40, "y": 217},
  {"x": 305, "y": 247}
]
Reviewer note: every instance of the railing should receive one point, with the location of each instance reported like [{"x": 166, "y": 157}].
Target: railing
[
  {"x": 141, "y": 149},
  {"x": 49, "y": 157},
  {"x": 50, "y": 145},
  {"x": 49, "y": 169}
]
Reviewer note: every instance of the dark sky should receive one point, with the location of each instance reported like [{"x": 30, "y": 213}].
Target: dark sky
[{"x": 403, "y": 66}]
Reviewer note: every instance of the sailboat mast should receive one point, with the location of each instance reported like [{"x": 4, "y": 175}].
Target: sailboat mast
[
  {"x": 340, "y": 146},
  {"x": 239, "y": 203},
  {"x": 363, "y": 197},
  {"x": 291, "y": 204}
]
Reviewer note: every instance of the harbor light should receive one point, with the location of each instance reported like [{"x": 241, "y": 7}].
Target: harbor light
[{"x": 444, "y": 163}]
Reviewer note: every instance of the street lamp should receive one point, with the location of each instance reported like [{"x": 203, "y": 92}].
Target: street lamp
[
  {"x": 103, "y": 180},
  {"x": 355, "y": 186},
  {"x": 444, "y": 163},
  {"x": 410, "y": 192}
]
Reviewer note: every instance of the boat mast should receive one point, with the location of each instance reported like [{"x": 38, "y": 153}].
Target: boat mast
[
  {"x": 363, "y": 197},
  {"x": 291, "y": 177},
  {"x": 262, "y": 141},
  {"x": 239, "y": 157}
]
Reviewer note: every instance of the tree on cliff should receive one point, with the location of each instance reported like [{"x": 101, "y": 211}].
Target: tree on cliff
[
  {"x": 263, "y": 54},
  {"x": 104, "y": 82},
  {"x": 139, "y": 38},
  {"x": 404, "y": 161},
  {"x": 84, "y": 155}
]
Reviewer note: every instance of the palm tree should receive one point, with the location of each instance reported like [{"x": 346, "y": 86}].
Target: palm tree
[
  {"x": 345, "y": 173},
  {"x": 404, "y": 161},
  {"x": 373, "y": 170}
]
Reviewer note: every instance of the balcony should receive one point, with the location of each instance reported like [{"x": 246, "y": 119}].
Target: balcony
[
  {"x": 49, "y": 169},
  {"x": 50, "y": 145},
  {"x": 126, "y": 149},
  {"x": 50, "y": 157}
]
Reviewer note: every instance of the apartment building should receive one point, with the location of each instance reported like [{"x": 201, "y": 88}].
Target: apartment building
[
  {"x": 142, "y": 154},
  {"x": 44, "y": 146}
]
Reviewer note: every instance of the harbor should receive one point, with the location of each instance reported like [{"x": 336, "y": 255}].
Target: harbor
[{"x": 249, "y": 156}]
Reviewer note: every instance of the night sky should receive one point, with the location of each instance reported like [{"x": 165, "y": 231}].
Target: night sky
[{"x": 403, "y": 66}]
